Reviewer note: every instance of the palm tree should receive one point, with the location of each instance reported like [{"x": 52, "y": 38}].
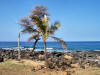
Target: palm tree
[
  {"x": 38, "y": 25},
  {"x": 40, "y": 18}
]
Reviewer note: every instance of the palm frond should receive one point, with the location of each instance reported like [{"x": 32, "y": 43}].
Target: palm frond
[
  {"x": 54, "y": 27},
  {"x": 25, "y": 21},
  {"x": 40, "y": 11},
  {"x": 27, "y": 26},
  {"x": 33, "y": 37},
  {"x": 63, "y": 44},
  {"x": 28, "y": 29},
  {"x": 38, "y": 22},
  {"x": 57, "y": 24}
]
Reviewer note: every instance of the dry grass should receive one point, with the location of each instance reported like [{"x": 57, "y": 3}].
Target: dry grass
[
  {"x": 87, "y": 71},
  {"x": 24, "y": 67},
  {"x": 27, "y": 62}
]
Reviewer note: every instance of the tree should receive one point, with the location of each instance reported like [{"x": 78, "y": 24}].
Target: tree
[
  {"x": 40, "y": 17},
  {"x": 38, "y": 24},
  {"x": 28, "y": 27}
]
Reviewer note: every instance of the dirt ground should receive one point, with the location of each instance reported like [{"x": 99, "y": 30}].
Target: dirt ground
[{"x": 24, "y": 67}]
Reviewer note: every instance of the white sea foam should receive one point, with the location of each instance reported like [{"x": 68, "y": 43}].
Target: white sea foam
[
  {"x": 37, "y": 49},
  {"x": 49, "y": 48},
  {"x": 96, "y": 50}
]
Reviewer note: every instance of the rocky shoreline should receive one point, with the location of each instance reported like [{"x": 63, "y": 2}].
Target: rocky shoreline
[{"x": 57, "y": 60}]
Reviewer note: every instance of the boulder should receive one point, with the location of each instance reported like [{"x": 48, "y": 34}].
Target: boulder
[
  {"x": 41, "y": 57},
  {"x": 68, "y": 72},
  {"x": 75, "y": 66},
  {"x": 1, "y": 59},
  {"x": 68, "y": 57},
  {"x": 39, "y": 67},
  {"x": 98, "y": 65}
]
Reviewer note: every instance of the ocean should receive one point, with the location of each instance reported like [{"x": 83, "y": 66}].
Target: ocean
[{"x": 55, "y": 46}]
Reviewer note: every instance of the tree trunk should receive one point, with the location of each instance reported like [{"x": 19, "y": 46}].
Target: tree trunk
[
  {"x": 19, "y": 56},
  {"x": 34, "y": 45},
  {"x": 45, "y": 51}
]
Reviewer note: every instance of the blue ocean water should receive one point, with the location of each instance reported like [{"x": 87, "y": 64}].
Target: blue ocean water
[{"x": 55, "y": 46}]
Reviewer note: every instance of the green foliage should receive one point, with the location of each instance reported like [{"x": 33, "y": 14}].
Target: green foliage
[
  {"x": 60, "y": 41},
  {"x": 54, "y": 27},
  {"x": 33, "y": 37},
  {"x": 40, "y": 18},
  {"x": 27, "y": 26}
]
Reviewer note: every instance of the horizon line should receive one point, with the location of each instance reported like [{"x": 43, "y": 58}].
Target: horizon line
[{"x": 51, "y": 41}]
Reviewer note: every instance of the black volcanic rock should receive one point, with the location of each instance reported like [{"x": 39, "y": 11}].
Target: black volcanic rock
[
  {"x": 56, "y": 60},
  {"x": 2, "y": 59}
]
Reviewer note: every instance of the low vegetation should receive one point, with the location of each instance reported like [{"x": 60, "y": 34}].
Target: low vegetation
[{"x": 25, "y": 67}]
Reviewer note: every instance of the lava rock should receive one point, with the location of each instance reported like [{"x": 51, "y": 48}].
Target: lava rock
[{"x": 1, "y": 59}]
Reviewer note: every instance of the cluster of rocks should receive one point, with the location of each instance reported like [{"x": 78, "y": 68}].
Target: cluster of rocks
[
  {"x": 57, "y": 60},
  {"x": 85, "y": 59}
]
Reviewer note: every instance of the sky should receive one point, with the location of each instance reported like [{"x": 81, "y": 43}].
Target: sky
[{"x": 80, "y": 19}]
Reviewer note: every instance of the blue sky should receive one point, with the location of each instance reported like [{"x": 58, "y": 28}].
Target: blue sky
[{"x": 80, "y": 19}]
